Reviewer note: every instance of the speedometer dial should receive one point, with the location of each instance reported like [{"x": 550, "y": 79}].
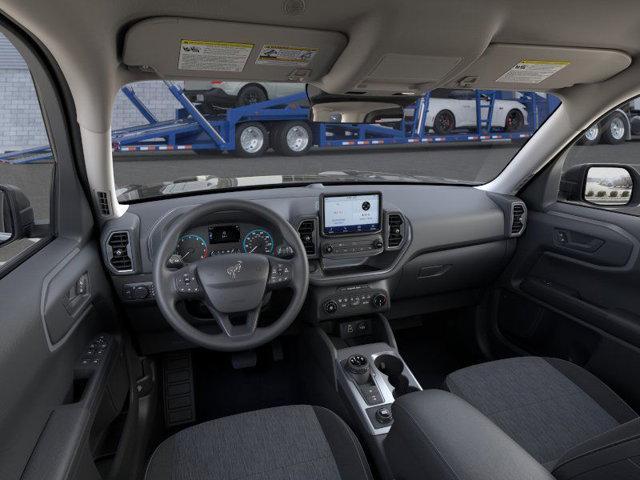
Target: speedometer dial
[
  {"x": 258, "y": 241},
  {"x": 191, "y": 248}
]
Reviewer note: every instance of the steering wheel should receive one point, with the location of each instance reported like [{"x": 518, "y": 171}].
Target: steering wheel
[{"x": 231, "y": 285}]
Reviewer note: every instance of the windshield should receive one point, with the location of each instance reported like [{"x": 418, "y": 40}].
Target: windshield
[{"x": 174, "y": 138}]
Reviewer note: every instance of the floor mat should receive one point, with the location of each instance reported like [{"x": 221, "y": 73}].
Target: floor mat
[
  {"x": 221, "y": 390},
  {"x": 434, "y": 349}
]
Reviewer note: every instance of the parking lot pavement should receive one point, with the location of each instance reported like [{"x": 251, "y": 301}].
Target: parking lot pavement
[
  {"x": 467, "y": 162},
  {"x": 459, "y": 162}
]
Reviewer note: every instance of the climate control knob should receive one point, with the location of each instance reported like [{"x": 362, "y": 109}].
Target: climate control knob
[
  {"x": 377, "y": 244},
  {"x": 331, "y": 307},
  {"x": 328, "y": 248},
  {"x": 379, "y": 300}
]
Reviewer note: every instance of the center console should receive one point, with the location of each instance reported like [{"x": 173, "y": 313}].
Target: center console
[
  {"x": 372, "y": 377},
  {"x": 367, "y": 375}
]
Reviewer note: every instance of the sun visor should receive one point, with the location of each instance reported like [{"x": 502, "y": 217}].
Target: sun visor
[
  {"x": 184, "y": 48},
  {"x": 528, "y": 67}
]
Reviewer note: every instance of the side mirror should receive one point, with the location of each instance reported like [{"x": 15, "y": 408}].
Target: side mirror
[
  {"x": 608, "y": 186},
  {"x": 16, "y": 214},
  {"x": 330, "y": 108}
]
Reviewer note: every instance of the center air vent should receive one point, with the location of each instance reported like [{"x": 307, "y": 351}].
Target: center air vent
[
  {"x": 118, "y": 252},
  {"x": 306, "y": 229},
  {"x": 519, "y": 219},
  {"x": 395, "y": 230}
]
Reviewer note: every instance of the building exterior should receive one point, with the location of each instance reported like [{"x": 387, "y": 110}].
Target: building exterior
[{"x": 21, "y": 123}]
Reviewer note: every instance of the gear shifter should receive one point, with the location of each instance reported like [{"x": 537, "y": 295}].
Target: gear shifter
[{"x": 358, "y": 366}]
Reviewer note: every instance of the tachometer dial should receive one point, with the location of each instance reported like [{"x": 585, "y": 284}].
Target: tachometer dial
[
  {"x": 191, "y": 248},
  {"x": 258, "y": 241}
]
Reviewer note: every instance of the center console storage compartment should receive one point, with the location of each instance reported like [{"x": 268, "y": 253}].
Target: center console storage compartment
[{"x": 436, "y": 434}]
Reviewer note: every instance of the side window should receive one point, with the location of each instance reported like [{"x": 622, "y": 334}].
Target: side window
[
  {"x": 602, "y": 168},
  {"x": 26, "y": 160}
]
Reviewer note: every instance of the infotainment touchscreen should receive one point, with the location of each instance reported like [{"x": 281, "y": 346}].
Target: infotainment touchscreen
[{"x": 346, "y": 214}]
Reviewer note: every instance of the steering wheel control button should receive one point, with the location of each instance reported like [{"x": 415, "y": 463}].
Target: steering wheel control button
[
  {"x": 280, "y": 274},
  {"x": 187, "y": 284}
]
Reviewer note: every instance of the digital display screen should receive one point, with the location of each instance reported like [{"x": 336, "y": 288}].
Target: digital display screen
[
  {"x": 351, "y": 214},
  {"x": 224, "y": 234}
]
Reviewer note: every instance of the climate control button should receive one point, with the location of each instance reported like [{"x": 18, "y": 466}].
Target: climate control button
[
  {"x": 331, "y": 307},
  {"x": 379, "y": 300}
]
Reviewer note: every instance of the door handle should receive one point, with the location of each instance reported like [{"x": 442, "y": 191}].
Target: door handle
[
  {"x": 78, "y": 295},
  {"x": 576, "y": 241}
]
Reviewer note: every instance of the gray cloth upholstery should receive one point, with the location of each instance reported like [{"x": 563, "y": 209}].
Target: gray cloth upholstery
[
  {"x": 293, "y": 442},
  {"x": 547, "y": 406}
]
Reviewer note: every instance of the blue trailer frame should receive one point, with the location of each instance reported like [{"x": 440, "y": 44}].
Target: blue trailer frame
[{"x": 192, "y": 130}]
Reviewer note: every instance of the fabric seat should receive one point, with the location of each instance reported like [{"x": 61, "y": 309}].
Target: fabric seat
[
  {"x": 292, "y": 442},
  {"x": 548, "y": 406}
]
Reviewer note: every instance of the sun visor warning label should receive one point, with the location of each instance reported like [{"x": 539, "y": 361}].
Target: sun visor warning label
[
  {"x": 285, "y": 55},
  {"x": 532, "y": 71},
  {"x": 213, "y": 56}
]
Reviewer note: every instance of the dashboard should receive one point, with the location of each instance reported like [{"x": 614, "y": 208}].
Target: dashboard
[{"x": 399, "y": 249}]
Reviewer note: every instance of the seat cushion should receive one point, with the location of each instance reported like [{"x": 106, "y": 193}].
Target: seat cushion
[
  {"x": 293, "y": 442},
  {"x": 548, "y": 406}
]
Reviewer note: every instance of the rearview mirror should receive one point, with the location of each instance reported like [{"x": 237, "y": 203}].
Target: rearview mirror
[
  {"x": 16, "y": 214},
  {"x": 608, "y": 186},
  {"x": 330, "y": 108}
]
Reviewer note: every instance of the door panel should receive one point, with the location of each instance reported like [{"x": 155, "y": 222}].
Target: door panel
[
  {"x": 572, "y": 292},
  {"x": 56, "y": 403},
  {"x": 39, "y": 373}
]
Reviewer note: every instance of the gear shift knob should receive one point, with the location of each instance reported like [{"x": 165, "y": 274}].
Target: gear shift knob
[{"x": 358, "y": 366}]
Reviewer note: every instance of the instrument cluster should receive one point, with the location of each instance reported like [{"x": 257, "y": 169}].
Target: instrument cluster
[{"x": 212, "y": 240}]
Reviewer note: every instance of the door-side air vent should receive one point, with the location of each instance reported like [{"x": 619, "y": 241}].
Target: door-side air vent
[
  {"x": 395, "y": 230},
  {"x": 306, "y": 230},
  {"x": 119, "y": 252},
  {"x": 518, "y": 219},
  {"x": 103, "y": 203}
]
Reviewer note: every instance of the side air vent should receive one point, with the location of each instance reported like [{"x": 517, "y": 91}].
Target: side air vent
[
  {"x": 103, "y": 203},
  {"x": 306, "y": 230},
  {"x": 395, "y": 230},
  {"x": 518, "y": 219},
  {"x": 119, "y": 252}
]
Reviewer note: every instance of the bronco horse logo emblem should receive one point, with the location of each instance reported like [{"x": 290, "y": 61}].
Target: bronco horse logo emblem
[{"x": 234, "y": 270}]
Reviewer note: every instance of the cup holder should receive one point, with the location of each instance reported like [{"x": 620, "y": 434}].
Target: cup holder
[{"x": 393, "y": 367}]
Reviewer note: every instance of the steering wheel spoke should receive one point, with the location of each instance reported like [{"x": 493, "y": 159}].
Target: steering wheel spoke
[
  {"x": 280, "y": 273},
  {"x": 236, "y": 328}
]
